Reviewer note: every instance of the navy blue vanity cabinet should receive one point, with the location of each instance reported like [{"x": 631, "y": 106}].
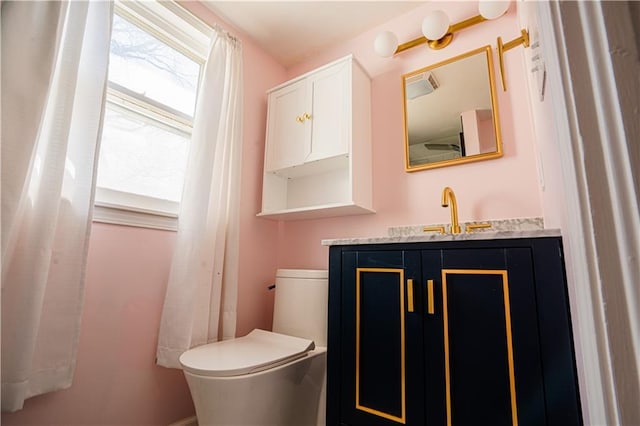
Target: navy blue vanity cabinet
[{"x": 450, "y": 333}]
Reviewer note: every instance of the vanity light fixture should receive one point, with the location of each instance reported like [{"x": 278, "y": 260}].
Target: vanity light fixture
[{"x": 437, "y": 30}]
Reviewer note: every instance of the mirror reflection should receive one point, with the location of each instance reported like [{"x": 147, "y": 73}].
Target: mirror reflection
[{"x": 450, "y": 112}]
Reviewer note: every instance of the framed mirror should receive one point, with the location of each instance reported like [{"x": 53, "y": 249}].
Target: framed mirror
[{"x": 451, "y": 113}]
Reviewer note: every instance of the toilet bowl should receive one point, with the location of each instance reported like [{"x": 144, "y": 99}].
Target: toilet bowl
[{"x": 268, "y": 377}]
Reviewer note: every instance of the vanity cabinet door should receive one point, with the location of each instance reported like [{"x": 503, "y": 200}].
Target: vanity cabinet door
[
  {"x": 481, "y": 338},
  {"x": 381, "y": 377}
]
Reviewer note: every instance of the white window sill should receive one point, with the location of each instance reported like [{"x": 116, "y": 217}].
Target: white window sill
[
  {"x": 121, "y": 216},
  {"x": 120, "y": 208}
]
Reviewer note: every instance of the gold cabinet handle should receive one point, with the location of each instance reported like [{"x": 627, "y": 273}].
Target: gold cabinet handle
[
  {"x": 410, "y": 295},
  {"x": 430, "y": 305},
  {"x": 307, "y": 116},
  {"x": 300, "y": 119}
]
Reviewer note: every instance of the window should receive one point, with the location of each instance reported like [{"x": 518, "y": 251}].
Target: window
[{"x": 156, "y": 56}]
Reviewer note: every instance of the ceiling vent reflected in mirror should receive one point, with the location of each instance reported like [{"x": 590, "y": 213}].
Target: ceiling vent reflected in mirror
[{"x": 420, "y": 85}]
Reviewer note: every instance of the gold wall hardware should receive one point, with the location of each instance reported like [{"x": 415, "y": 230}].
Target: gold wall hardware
[
  {"x": 439, "y": 229},
  {"x": 448, "y": 197},
  {"x": 301, "y": 118},
  {"x": 445, "y": 40},
  {"x": 508, "y": 336},
  {"x": 409, "y": 295},
  {"x": 522, "y": 40},
  {"x": 400, "y": 272},
  {"x": 430, "y": 302},
  {"x": 469, "y": 228},
  {"x": 437, "y": 30}
]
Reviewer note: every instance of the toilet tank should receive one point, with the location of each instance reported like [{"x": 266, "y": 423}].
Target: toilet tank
[{"x": 301, "y": 302}]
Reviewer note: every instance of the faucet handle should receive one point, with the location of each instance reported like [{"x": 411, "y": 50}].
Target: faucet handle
[
  {"x": 470, "y": 227},
  {"x": 438, "y": 229}
]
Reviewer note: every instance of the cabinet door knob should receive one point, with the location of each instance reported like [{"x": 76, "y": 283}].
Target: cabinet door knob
[{"x": 301, "y": 118}]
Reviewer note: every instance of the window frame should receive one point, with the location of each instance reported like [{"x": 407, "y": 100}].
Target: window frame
[{"x": 184, "y": 32}]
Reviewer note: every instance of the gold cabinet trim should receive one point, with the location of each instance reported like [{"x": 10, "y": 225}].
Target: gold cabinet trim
[
  {"x": 359, "y": 406},
  {"x": 507, "y": 314}
]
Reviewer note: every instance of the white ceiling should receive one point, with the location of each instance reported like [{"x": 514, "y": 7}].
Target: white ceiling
[{"x": 291, "y": 31}]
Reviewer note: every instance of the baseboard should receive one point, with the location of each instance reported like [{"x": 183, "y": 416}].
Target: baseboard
[{"x": 189, "y": 421}]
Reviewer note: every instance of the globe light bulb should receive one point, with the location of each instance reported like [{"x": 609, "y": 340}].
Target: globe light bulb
[
  {"x": 492, "y": 9},
  {"x": 385, "y": 44},
  {"x": 435, "y": 25}
]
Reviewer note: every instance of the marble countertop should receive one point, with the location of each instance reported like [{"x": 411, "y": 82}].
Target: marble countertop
[{"x": 500, "y": 229}]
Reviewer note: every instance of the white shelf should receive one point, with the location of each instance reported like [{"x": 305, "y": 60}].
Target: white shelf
[
  {"x": 316, "y": 212},
  {"x": 314, "y": 167}
]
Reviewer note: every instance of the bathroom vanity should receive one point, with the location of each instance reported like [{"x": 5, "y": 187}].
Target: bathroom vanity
[{"x": 469, "y": 329}]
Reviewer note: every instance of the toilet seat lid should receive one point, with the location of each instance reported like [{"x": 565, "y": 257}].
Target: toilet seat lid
[{"x": 257, "y": 351}]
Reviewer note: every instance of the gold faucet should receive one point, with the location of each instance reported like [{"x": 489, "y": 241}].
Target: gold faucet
[{"x": 449, "y": 197}]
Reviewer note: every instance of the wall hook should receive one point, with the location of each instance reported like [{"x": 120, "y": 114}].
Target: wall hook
[{"x": 523, "y": 39}]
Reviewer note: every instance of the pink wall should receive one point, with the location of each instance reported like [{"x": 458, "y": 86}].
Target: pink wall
[
  {"x": 116, "y": 380},
  {"x": 485, "y": 129},
  {"x": 470, "y": 125},
  {"x": 552, "y": 192},
  {"x": 494, "y": 189}
]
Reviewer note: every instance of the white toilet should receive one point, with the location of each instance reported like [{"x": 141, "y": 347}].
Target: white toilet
[{"x": 268, "y": 378}]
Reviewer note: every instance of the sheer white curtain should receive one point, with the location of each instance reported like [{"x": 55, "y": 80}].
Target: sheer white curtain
[
  {"x": 54, "y": 66},
  {"x": 200, "y": 302}
]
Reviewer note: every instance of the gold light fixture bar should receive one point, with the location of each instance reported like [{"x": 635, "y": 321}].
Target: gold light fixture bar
[
  {"x": 437, "y": 30},
  {"x": 413, "y": 43},
  {"x": 444, "y": 40}
]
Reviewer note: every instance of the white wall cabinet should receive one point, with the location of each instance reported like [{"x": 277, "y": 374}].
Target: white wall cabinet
[{"x": 318, "y": 144}]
